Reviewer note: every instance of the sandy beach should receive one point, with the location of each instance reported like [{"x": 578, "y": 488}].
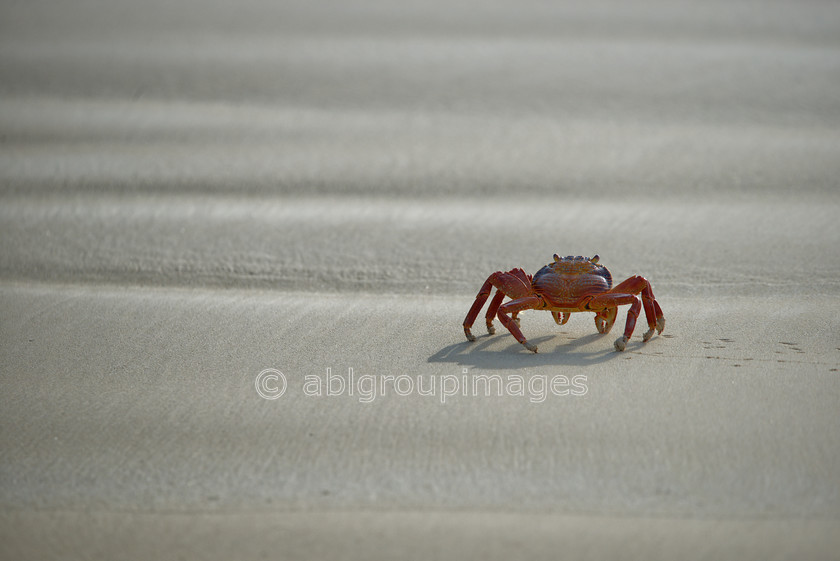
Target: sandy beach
[{"x": 238, "y": 242}]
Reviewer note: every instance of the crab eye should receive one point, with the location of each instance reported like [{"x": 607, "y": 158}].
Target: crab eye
[
  {"x": 595, "y": 259},
  {"x": 556, "y": 257}
]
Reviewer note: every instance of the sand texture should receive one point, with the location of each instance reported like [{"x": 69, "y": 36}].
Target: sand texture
[{"x": 238, "y": 242}]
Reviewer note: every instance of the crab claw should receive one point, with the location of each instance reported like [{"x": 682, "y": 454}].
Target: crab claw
[
  {"x": 600, "y": 324},
  {"x": 621, "y": 343},
  {"x": 561, "y": 318}
]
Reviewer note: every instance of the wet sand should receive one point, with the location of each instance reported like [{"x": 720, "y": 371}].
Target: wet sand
[{"x": 200, "y": 205}]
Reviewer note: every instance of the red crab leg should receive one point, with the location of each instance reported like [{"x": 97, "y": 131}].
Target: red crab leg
[
  {"x": 492, "y": 309},
  {"x": 653, "y": 313},
  {"x": 515, "y": 306},
  {"x": 480, "y": 299},
  {"x": 611, "y": 300},
  {"x": 515, "y": 283}
]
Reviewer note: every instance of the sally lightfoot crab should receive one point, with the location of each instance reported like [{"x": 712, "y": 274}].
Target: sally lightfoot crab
[{"x": 569, "y": 284}]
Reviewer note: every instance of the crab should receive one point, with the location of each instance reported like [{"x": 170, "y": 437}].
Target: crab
[{"x": 569, "y": 284}]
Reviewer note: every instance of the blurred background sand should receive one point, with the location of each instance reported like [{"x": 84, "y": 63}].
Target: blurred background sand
[{"x": 193, "y": 192}]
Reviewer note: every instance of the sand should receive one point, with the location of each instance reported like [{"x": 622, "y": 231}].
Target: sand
[{"x": 237, "y": 246}]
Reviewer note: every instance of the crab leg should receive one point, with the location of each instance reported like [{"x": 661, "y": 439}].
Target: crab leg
[
  {"x": 611, "y": 300},
  {"x": 516, "y": 306},
  {"x": 492, "y": 309},
  {"x": 515, "y": 283},
  {"x": 480, "y": 299},
  {"x": 653, "y": 313}
]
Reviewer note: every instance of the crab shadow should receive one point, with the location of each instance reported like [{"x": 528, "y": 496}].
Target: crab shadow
[{"x": 492, "y": 352}]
